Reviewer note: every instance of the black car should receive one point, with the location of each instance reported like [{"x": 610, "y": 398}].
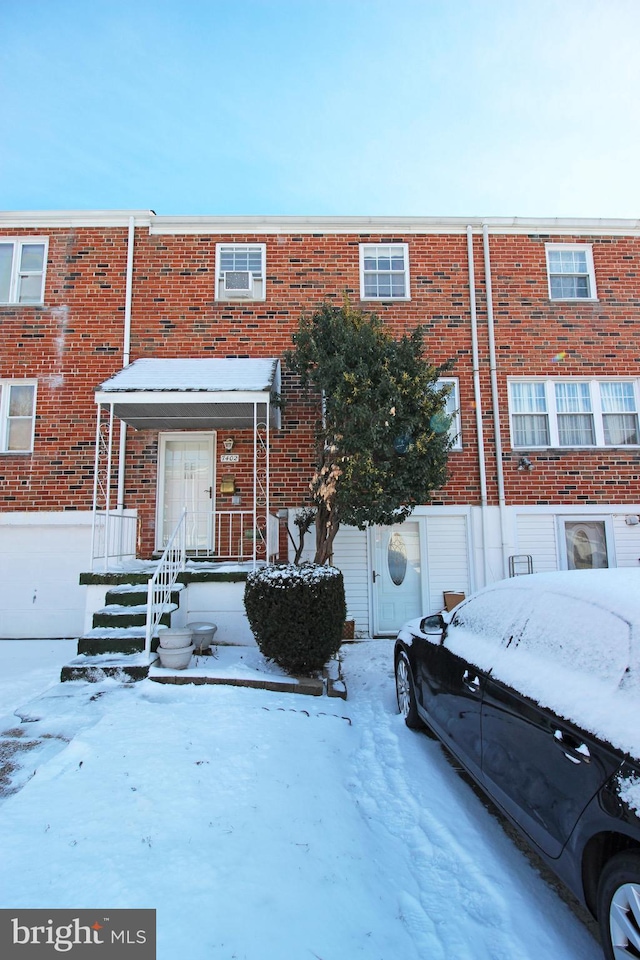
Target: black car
[{"x": 534, "y": 685}]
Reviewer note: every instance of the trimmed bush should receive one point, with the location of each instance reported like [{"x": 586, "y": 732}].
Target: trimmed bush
[{"x": 296, "y": 613}]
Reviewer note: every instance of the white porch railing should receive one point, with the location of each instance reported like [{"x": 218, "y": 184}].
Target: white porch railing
[
  {"x": 114, "y": 537},
  {"x": 229, "y": 535},
  {"x": 171, "y": 563},
  {"x": 115, "y": 534}
]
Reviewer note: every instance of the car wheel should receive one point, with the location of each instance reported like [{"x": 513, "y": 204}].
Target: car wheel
[
  {"x": 619, "y": 907},
  {"x": 406, "y": 693}
]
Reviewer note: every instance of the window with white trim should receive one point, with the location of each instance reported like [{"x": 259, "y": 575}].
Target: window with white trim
[
  {"x": 574, "y": 413},
  {"x": 17, "y": 415},
  {"x": 240, "y": 271},
  {"x": 570, "y": 271},
  {"x": 22, "y": 269},
  {"x": 586, "y": 543},
  {"x": 452, "y": 410},
  {"x": 384, "y": 271}
]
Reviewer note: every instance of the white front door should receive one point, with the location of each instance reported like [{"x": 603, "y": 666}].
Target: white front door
[
  {"x": 187, "y": 479},
  {"x": 398, "y": 587}
]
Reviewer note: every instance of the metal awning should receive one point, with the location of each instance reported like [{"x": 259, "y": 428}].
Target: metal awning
[{"x": 193, "y": 394}]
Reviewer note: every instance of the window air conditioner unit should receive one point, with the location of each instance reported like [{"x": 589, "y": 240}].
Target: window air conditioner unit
[{"x": 237, "y": 283}]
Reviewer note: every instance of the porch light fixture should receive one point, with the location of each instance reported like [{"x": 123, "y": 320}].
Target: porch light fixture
[{"x": 228, "y": 444}]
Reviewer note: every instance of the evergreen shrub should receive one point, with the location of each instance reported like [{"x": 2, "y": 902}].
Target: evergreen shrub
[{"x": 296, "y": 613}]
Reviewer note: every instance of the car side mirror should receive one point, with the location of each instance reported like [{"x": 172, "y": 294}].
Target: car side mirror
[{"x": 433, "y": 625}]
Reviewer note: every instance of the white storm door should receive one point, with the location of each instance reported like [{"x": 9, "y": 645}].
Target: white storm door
[
  {"x": 397, "y": 576},
  {"x": 187, "y": 479}
]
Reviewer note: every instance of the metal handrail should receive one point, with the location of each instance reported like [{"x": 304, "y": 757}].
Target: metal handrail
[{"x": 171, "y": 563}]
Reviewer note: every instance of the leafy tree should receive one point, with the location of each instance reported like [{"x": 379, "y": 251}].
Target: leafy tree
[{"x": 383, "y": 442}]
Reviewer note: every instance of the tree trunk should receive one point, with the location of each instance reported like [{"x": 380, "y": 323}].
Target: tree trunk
[{"x": 327, "y": 525}]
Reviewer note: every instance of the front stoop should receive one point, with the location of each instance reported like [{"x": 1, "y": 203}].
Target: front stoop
[{"x": 114, "y": 646}]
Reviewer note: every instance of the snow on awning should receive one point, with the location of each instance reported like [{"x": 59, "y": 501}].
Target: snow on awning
[{"x": 191, "y": 394}]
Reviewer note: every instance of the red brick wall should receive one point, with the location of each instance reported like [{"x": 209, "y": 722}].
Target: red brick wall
[
  {"x": 538, "y": 337},
  {"x": 74, "y": 342},
  {"x": 71, "y": 345}
]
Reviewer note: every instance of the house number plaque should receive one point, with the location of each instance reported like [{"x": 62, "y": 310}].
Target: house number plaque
[{"x": 229, "y": 457}]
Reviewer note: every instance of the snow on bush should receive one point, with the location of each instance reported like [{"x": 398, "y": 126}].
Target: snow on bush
[{"x": 296, "y": 613}]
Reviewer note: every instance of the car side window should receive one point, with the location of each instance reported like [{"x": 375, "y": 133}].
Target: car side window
[
  {"x": 487, "y": 623},
  {"x": 494, "y": 614},
  {"x": 552, "y": 632}
]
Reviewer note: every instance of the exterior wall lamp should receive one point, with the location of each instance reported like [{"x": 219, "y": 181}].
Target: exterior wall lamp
[{"x": 228, "y": 444}]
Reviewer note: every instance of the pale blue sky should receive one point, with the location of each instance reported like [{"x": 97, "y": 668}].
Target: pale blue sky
[{"x": 355, "y": 107}]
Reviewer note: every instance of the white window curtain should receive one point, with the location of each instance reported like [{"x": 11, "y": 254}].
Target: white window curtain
[
  {"x": 530, "y": 417},
  {"x": 575, "y": 417}
]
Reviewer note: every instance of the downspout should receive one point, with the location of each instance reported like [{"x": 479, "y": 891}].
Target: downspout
[
  {"x": 126, "y": 353},
  {"x": 494, "y": 393},
  {"x": 477, "y": 397}
]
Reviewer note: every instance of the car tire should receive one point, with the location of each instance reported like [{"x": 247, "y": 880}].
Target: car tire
[
  {"x": 405, "y": 693},
  {"x": 619, "y": 906}
]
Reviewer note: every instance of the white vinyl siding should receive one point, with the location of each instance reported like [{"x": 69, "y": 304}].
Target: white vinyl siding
[
  {"x": 537, "y": 539},
  {"x": 626, "y": 537},
  {"x": 350, "y": 555},
  {"x": 447, "y": 557}
]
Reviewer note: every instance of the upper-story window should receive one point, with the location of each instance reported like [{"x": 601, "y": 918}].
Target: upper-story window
[
  {"x": 240, "y": 271},
  {"x": 574, "y": 413},
  {"x": 570, "y": 271},
  {"x": 384, "y": 271},
  {"x": 452, "y": 410},
  {"x": 17, "y": 415},
  {"x": 22, "y": 270}
]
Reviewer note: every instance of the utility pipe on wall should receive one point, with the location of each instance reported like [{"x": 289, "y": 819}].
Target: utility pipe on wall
[
  {"x": 477, "y": 395},
  {"x": 126, "y": 353},
  {"x": 494, "y": 392}
]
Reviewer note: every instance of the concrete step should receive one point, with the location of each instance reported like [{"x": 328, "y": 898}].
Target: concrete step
[
  {"x": 103, "y": 640},
  {"x": 128, "y": 667},
  {"x": 133, "y": 595},
  {"x": 118, "y": 615}
]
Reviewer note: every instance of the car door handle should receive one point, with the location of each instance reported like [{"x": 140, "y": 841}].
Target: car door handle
[
  {"x": 471, "y": 681},
  {"x": 573, "y": 751}
]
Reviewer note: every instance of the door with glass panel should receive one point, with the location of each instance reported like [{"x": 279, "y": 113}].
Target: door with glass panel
[
  {"x": 585, "y": 544},
  {"x": 397, "y": 576},
  {"x": 187, "y": 468}
]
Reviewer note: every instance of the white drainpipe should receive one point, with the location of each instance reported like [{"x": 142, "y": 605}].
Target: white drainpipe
[
  {"x": 494, "y": 394},
  {"x": 477, "y": 396},
  {"x": 126, "y": 352}
]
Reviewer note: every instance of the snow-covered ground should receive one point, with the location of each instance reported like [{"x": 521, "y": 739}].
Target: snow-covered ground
[{"x": 263, "y": 826}]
